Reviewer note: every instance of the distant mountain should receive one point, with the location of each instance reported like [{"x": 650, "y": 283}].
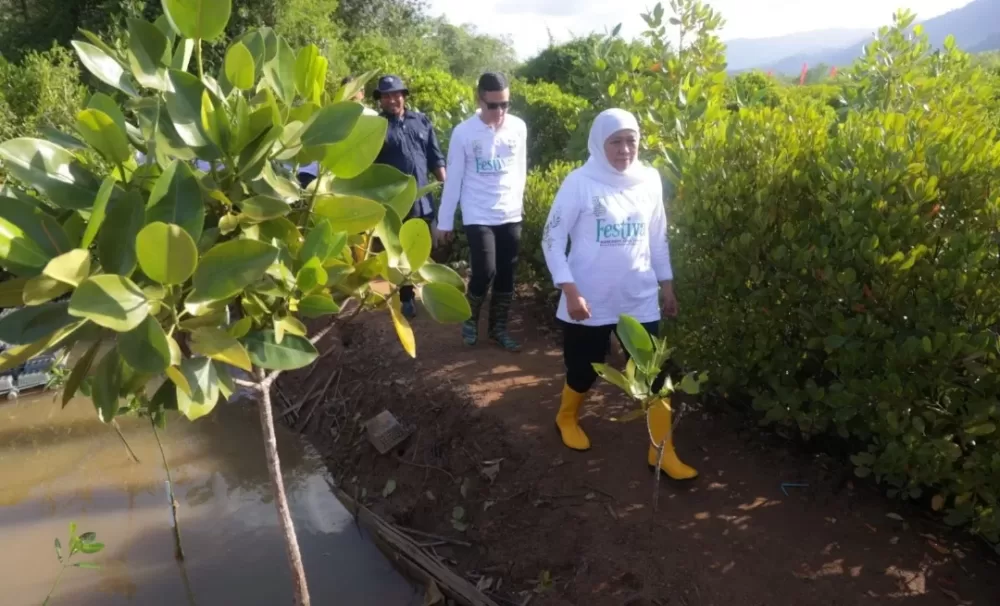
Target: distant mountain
[
  {"x": 747, "y": 53},
  {"x": 976, "y": 27}
]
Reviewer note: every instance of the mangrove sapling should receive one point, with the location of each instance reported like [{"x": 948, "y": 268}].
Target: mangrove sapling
[
  {"x": 211, "y": 219},
  {"x": 85, "y": 543}
]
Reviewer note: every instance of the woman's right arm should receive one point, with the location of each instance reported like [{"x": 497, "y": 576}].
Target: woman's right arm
[{"x": 563, "y": 216}]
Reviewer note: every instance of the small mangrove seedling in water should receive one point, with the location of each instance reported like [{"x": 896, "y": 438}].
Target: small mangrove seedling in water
[
  {"x": 642, "y": 382},
  {"x": 85, "y": 543}
]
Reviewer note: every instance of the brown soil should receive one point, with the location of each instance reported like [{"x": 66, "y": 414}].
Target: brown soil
[{"x": 567, "y": 528}]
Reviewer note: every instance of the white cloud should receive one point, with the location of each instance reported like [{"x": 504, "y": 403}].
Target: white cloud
[{"x": 529, "y": 23}]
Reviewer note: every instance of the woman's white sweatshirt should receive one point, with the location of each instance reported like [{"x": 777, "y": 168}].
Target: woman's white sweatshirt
[
  {"x": 618, "y": 247},
  {"x": 487, "y": 169}
]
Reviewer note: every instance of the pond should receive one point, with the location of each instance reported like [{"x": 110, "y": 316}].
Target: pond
[{"x": 61, "y": 466}]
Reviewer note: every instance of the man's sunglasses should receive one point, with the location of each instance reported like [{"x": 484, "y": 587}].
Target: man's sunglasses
[{"x": 500, "y": 105}]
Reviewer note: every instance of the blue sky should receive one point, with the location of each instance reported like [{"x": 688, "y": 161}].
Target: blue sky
[{"x": 529, "y": 21}]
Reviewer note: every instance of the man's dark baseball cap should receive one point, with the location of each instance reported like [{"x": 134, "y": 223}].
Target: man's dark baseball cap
[{"x": 390, "y": 84}]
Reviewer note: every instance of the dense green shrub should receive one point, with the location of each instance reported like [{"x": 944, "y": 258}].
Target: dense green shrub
[
  {"x": 539, "y": 193},
  {"x": 446, "y": 100},
  {"x": 553, "y": 118},
  {"x": 752, "y": 88},
  {"x": 42, "y": 90},
  {"x": 844, "y": 275}
]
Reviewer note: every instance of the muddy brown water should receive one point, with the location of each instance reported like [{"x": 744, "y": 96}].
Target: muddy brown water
[{"x": 61, "y": 466}]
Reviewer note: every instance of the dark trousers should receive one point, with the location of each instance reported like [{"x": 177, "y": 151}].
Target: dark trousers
[
  {"x": 494, "y": 253},
  {"x": 584, "y": 346}
]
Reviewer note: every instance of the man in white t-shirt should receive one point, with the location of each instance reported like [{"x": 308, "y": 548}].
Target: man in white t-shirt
[{"x": 487, "y": 167}]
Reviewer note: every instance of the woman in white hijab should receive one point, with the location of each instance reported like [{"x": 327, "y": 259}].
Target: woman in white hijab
[{"x": 611, "y": 212}]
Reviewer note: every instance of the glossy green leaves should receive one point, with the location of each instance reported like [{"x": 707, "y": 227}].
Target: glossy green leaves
[
  {"x": 198, "y": 19},
  {"x": 167, "y": 253},
  {"x": 51, "y": 170},
  {"x": 230, "y": 267},
  {"x": 110, "y": 301},
  {"x": 293, "y": 351}
]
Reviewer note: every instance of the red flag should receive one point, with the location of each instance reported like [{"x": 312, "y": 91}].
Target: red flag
[
  {"x": 770, "y": 73},
  {"x": 802, "y": 78},
  {"x": 833, "y": 72}
]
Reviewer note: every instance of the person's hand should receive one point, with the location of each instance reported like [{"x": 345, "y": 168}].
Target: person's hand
[
  {"x": 576, "y": 305},
  {"x": 441, "y": 237},
  {"x": 669, "y": 300}
]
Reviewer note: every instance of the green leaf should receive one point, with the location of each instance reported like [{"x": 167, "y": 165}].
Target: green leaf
[
  {"x": 415, "y": 238},
  {"x": 101, "y": 133},
  {"x": 176, "y": 199},
  {"x": 104, "y": 67},
  {"x": 182, "y": 56},
  {"x": 636, "y": 340},
  {"x": 387, "y": 233},
  {"x": 110, "y": 301},
  {"x": 293, "y": 352},
  {"x": 15, "y": 356},
  {"x": 97, "y": 213},
  {"x": 106, "y": 386},
  {"x": 352, "y": 156},
  {"x": 381, "y": 183},
  {"x": 106, "y": 104},
  {"x": 80, "y": 371},
  {"x": 311, "y": 276},
  {"x": 167, "y": 253},
  {"x": 349, "y": 214},
  {"x": 42, "y": 289},
  {"x": 217, "y": 344},
  {"x": 198, "y": 19},
  {"x": 254, "y": 155},
  {"x": 51, "y": 170},
  {"x": 279, "y": 72},
  {"x": 332, "y": 124},
  {"x": 29, "y": 238},
  {"x": 145, "y": 347},
  {"x": 149, "y": 54},
  {"x": 12, "y": 292},
  {"x": 445, "y": 303},
  {"x": 310, "y": 73},
  {"x": 983, "y": 429},
  {"x": 116, "y": 244},
  {"x": 264, "y": 208},
  {"x": 203, "y": 379},
  {"x": 184, "y": 107},
  {"x": 240, "y": 68},
  {"x": 690, "y": 385},
  {"x": 230, "y": 267},
  {"x": 321, "y": 243},
  {"x": 70, "y": 268},
  {"x": 89, "y": 549},
  {"x": 29, "y": 324},
  {"x": 318, "y": 305},
  {"x": 612, "y": 376},
  {"x": 442, "y": 274},
  {"x": 241, "y": 327}
]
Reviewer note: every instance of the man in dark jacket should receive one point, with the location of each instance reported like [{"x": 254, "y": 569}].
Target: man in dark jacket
[{"x": 411, "y": 146}]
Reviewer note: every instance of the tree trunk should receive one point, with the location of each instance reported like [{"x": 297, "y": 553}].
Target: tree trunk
[{"x": 299, "y": 587}]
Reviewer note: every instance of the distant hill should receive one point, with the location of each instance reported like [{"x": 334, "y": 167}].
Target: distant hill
[
  {"x": 746, "y": 53},
  {"x": 976, "y": 27}
]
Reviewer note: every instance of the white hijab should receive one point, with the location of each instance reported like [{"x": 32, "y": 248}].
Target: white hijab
[{"x": 598, "y": 167}]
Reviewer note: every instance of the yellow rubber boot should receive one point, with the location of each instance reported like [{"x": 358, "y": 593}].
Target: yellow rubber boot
[
  {"x": 660, "y": 419},
  {"x": 567, "y": 420}
]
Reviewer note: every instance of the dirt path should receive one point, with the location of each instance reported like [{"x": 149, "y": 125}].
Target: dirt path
[{"x": 572, "y": 528}]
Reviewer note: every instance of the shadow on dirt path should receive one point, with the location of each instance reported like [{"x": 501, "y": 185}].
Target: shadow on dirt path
[{"x": 579, "y": 528}]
